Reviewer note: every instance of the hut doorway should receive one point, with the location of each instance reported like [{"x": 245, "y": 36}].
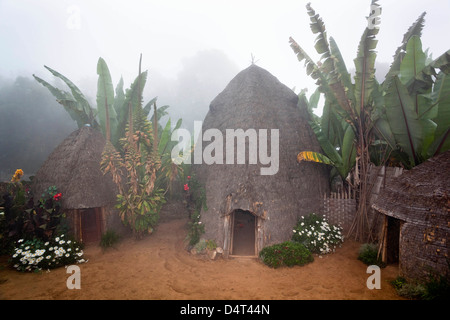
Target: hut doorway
[
  {"x": 392, "y": 244},
  {"x": 91, "y": 225},
  {"x": 243, "y": 237}
]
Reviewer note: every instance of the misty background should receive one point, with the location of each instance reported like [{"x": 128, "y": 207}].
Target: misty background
[{"x": 191, "y": 49}]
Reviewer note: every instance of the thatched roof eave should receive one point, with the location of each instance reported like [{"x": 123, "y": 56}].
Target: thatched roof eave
[{"x": 74, "y": 168}]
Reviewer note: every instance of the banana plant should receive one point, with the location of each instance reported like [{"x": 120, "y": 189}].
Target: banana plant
[
  {"x": 111, "y": 113},
  {"x": 417, "y": 105},
  {"x": 407, "y": 114}
]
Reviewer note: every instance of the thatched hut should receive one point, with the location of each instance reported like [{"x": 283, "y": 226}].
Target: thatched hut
[
  {"x": 249, "y": 208},
  {"x": 416, "y": 228},
  {"x": 88, "y": 196}
]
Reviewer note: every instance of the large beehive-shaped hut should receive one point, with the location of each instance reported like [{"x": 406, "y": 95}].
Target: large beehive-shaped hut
[
  {"x": 87, "y": 195},
  {"x": 416, "y": 229},
  {"x": 248, "y": 210}
]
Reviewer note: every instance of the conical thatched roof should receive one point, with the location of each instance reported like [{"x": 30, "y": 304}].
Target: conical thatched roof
[
  {"x": 74, "y": 168},
  {"x": 419, "y": 194},
  {"x": 255, "y": 99}
]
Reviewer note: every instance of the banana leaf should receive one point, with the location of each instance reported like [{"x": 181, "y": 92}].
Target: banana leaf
[
  {"x": 414, "y": 29},
  {"x": 314, "y": 157},
  {"x": 72, "y": 106},
  {"x": 105, "y": 100},
  {"x": 365, "y": 69},
  {"x": 410, "y": 132},
  {"x": 79, "y": 97},
  {"x": 441, "y": 98}
]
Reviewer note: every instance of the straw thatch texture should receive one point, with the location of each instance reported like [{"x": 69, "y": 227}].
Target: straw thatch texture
[
  {"x": 74, "y": 168},
  {"x": 419, "y": 199},
  {"x": 255, "y": 99}
]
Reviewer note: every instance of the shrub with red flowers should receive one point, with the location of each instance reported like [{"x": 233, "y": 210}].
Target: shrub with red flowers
[
  {"x": 21, "y": 218},
  {"x": 195, "y": 201}
]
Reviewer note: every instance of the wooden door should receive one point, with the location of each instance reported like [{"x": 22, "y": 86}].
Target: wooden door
[{"x": 91, "y": 225}]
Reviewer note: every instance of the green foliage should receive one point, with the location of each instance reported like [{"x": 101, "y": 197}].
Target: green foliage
[
  {"x": 285, "y": 254},
  {"x": 109, "y": 239},
  {"x": 317, "y": 235},
  {"x": 195, "y": 200},
  {"x": 35, "y": 254},
  {"x": 368, "y": 254},
  {"x": 437, "y": 287},
  {"x": 195, "y": 229},
  {"x": 203, "y": 244},
  {"x": 22, "y": 219},
  {"x": 111, "y": 114},
  {"x": 403, "y": 117}
]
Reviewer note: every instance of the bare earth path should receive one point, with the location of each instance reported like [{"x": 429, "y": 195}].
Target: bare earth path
[{"x": 159, "y": 267}]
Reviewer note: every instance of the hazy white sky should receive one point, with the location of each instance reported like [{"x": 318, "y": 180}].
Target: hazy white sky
[{"x": 70, "y": 35}]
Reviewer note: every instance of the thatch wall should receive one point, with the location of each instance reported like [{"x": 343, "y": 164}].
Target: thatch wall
[
  {"x": 420, "y": 199},
  {"x": 255, "y": 99},
  {"x": 74, "y": 168}
]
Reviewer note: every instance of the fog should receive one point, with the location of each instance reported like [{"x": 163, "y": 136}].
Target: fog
[{"x": 191, "y": 49}]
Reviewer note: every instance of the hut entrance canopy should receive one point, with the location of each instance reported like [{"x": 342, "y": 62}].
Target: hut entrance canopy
[{"x": 256, "y": 100}]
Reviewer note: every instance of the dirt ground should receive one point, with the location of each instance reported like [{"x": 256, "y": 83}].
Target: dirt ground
[{"x": 159, "y": 267}]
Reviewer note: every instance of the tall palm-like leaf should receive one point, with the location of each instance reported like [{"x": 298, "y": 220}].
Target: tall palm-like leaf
[
  {"x": 105, "y": 100},
  {"x": 70, "y": 104}
]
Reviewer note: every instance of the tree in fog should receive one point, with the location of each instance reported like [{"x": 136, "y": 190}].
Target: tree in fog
[{"x": 32, "y": 124}]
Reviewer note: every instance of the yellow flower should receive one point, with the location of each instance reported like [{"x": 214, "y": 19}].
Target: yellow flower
[{"x": 17, "y": 175}]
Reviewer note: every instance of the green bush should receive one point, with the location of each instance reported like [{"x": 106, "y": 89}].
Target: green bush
[
  {"x": 316, "y": 234},
  {"x": 436, "y": 288},
  {"x": 288, "y": 253},
  {"x": 109, "y": 239},
  {"x": 368, "y": 253}
]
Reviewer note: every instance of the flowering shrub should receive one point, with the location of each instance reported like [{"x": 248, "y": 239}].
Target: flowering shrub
[
  {"x": 34, "y": 255},
  {"x": 21, "y": 218},
  {"x": 317, "y": 234},
  {"x": 17, "y": 175},
  {"x": 195, "y": 196},
  {"x": 288, "y": 253},
  {"x": 196, "y": 229}
]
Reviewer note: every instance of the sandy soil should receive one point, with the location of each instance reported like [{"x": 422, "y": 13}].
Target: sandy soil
[{"x": 158, "y": 267}]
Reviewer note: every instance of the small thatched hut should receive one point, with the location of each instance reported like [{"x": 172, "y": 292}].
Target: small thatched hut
[
  {"x": 88, "y": 196},
  {"x": 248, "y": 208},
  {"x": 416, "y": 225}
]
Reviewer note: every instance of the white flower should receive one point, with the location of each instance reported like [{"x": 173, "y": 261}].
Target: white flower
[
  {"x": 67, "y": 255},
  {"x": 69, "y": 242},
  {"x": 19, "y": 241},
  {"x": 62, "y": 242},
  {"x": 27, "y": 247},
  {"x": 57, "y": 239},
  {"x": 46, "y": 244},
  {"x": 302, "y": 224},
  {"x": 15, "y": 255},
  {"x": 48, "y": 257}
]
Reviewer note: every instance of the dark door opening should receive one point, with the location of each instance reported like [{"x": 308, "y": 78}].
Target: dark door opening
[
  {"x": 393, "y": 240},
  {"x": 243, "y": 239},
  {"x": 90, "y": 225}
]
